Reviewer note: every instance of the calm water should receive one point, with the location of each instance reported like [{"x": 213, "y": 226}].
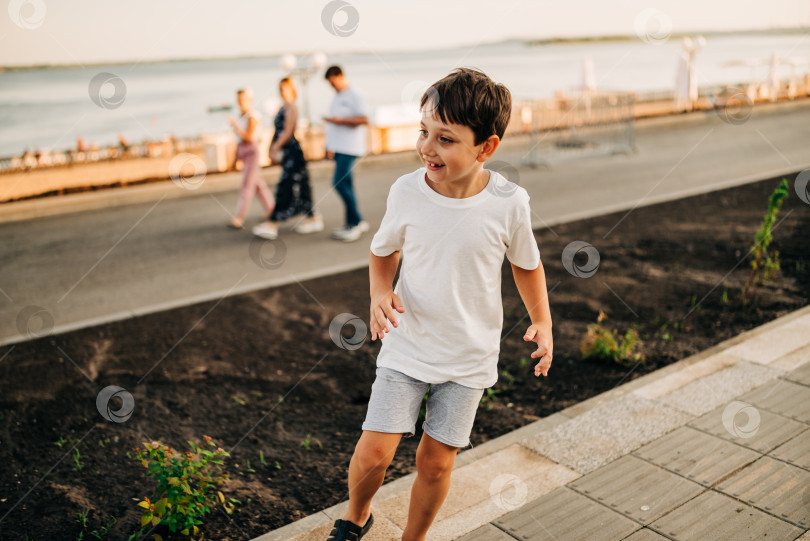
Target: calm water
[{"x": 49, "y": 108}]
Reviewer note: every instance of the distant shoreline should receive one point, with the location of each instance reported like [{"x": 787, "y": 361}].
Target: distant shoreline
[
  {"x": 531, "y": 42},
  {"x": 673, "y": 36}
]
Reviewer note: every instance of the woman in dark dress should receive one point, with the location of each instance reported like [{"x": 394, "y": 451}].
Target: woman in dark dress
[{"x": 293, "y": 193}]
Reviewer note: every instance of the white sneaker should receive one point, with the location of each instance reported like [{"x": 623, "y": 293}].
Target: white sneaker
[
  {"x": 266, "y": 230},
  {"x": 362, "y": 227},
  {"x": 351, "y": 234},
  {"x": 310, "y": 225}
]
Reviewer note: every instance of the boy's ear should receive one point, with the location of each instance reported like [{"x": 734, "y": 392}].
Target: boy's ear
[{"x": 488, "y": 148}]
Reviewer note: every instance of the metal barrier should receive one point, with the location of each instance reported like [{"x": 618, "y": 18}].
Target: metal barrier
[
  {"x": 573, "y": 126},
  {"x": 66, "y": 158}
]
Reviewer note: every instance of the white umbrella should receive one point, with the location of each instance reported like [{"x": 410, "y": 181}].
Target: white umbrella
[
  {"x": 588, "y": 75},
  {"x": 699, "y": 43},
  {"x": 682, "y": 82},
  {"x": 686, "y": 87},
  {"x": 773, "y": 77}
]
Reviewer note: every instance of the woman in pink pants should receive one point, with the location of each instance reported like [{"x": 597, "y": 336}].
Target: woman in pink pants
[{"x": 247, "y": 128}]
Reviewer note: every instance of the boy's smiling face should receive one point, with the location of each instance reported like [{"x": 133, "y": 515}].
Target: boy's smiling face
[{"x": 453, "y": 161}]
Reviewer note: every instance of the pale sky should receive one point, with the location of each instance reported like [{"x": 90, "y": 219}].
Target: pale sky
[{"x": 93, "y": 31}]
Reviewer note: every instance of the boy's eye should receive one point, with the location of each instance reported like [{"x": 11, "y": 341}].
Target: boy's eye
[{"x": 442, "y": 139}]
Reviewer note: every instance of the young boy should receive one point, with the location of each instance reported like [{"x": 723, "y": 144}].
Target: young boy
[{"x": 453, "y": 221}]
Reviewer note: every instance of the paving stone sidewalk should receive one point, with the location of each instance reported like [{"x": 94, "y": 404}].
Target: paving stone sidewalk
[{"x": 713, "y": 447}]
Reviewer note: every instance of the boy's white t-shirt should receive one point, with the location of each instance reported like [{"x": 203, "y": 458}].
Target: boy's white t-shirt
[{"x": 450, "y": 279}]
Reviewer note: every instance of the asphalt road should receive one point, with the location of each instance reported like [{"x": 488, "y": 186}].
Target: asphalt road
[{"x": 69, "y": 271}]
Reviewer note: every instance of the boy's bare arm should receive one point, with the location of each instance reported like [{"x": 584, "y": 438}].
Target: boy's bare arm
[
  {"x": 384, "y": 302},
  {"x": 531, "y": 285}
]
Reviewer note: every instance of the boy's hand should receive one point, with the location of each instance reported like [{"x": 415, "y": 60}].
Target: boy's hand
[
  {"x": 541, "y": 334},
  {"x": 383, "y": 309}
]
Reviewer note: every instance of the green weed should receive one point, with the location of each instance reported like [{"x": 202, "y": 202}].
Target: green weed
[
  {"x": 765, "y": 265},
  {"x": 602, "y": 344}
]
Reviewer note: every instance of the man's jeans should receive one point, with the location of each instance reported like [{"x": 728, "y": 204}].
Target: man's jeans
[{"x": 342, "y": 181}]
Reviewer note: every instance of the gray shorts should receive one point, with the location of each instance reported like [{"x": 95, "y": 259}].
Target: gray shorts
[{"x": 396, "y": 399}]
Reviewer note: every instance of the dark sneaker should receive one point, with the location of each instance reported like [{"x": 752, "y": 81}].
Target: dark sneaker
[{"x": 345, "y": 530}]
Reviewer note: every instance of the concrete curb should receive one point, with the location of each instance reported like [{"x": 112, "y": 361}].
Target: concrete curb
[{"x": 188, "y": 301}]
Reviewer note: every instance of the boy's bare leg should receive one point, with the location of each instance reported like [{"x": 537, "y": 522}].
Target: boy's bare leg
[
  {"x": 434, "y": 464},
  {"x": 372, "y": 456}
]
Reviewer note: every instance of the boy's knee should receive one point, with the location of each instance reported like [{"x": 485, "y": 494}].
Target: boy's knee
[
  {"x": 373, "y": 457},
  {"x": 434, "y": 467}
]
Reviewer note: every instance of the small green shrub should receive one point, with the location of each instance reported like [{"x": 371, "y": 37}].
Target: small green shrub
[
  {"x": 602, "y": 344},
  {"x": 764, "y": 265},
  {"x": 186, "y": 490}
]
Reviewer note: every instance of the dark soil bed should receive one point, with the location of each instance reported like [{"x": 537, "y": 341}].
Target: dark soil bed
[{"x": 221, "y": 369}]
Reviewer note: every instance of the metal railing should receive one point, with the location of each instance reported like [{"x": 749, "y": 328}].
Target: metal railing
[
  {"x": 588, "y": 123},
  {"x": 65, "y": 158}
]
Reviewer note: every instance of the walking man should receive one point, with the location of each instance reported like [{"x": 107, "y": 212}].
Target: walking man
[{"x": 346, "y": 141}]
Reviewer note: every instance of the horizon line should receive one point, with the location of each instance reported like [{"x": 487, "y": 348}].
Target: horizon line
[{"x": 527, "y": 40}]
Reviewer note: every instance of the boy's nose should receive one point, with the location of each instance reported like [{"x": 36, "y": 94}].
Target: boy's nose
[
  {"x": 427, "y": 148},
  {"x": 427, "y": 155}
]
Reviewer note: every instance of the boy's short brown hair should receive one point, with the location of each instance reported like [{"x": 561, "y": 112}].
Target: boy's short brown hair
[{"x": 470, "y": 98}]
